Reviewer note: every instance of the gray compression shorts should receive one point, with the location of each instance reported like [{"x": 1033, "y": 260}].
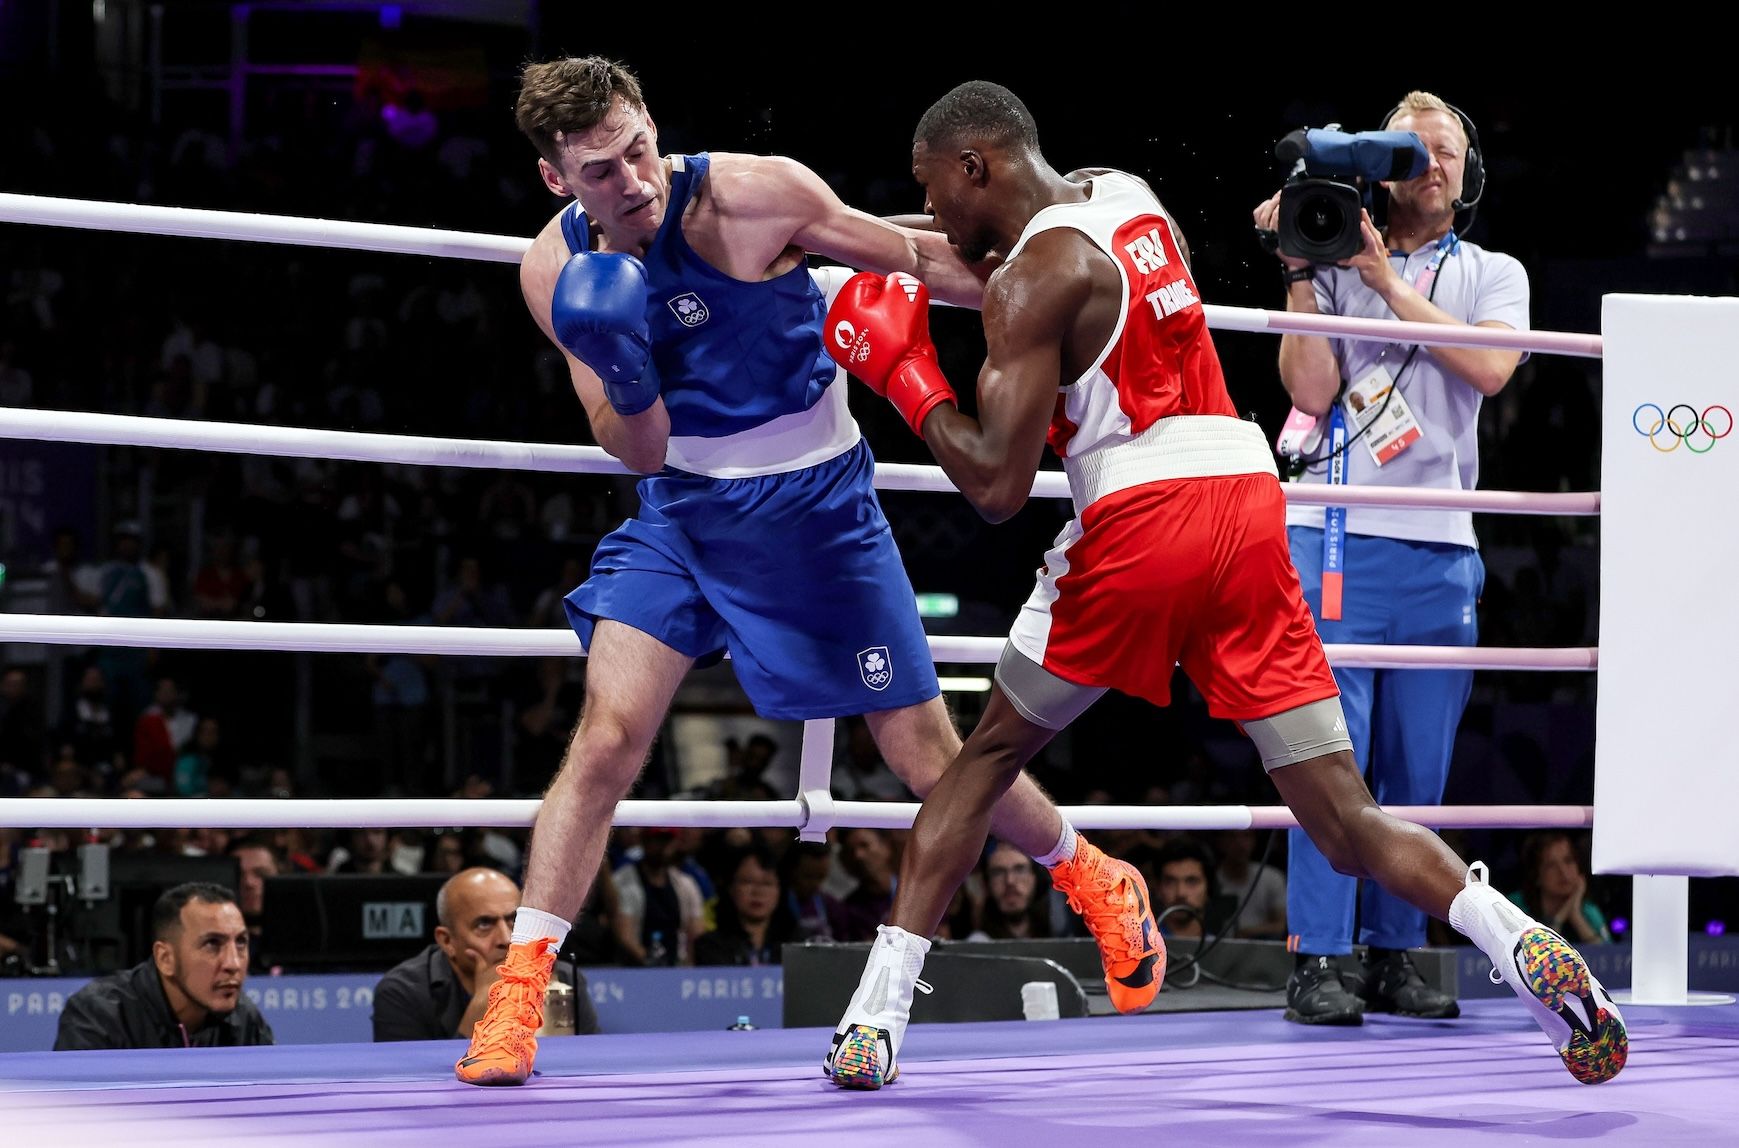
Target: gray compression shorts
[
  {"x": 1042, "y": 697},
  {"x": 1299, "y": 734}
]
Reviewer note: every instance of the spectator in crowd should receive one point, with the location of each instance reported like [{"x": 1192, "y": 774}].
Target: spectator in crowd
[
  {"x": 1014, "y": 904},
  {"x": 74, "y": 585},
  {"x": 256, "y": 861},
  {"x": 868, "y": 855},
  {"x": 366, "y": 853},
  {"x": 90, "y": 727},
  {"x": 661, "y": 911},
  {"x": 446, "y": 853},
  {"x": 221, "y": 582},
  {"x": 865, "y": 776},
  {"x": 817, "y": 914},
  {"x": 592, "y": 940},
  {"x": 23, "y": 741},
  {"x": 1185, "y": 887},
  {"x": 161, "y": 733},
  {"x": 440, "y": 993},
  {"x": 745, "y": 779},
  {"x": 1555, "y": 888},
  {"x": 187, "y": 995},
  {"x": 201, "y": 762},
  {"x": 1264, "y": 913},
  {"x": 754, "y": 922}
]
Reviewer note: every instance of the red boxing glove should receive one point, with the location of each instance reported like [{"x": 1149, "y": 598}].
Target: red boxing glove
[{"x": 879, "y": 330}]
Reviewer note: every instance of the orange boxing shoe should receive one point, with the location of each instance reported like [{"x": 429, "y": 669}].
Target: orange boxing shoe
[
  {"x": 1112, "y": 898},
  {"x": 504, "y": 1042}
]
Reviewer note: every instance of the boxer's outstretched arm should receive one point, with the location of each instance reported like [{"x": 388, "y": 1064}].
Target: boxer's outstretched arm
[{"x": 798, "y": 207}]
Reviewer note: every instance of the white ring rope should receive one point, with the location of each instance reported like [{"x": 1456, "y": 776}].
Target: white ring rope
[
  {"x": 197, "y": 223},
  {"x": 80, "y": 813},
  {"x": 416, "y": 450},
  {"x": 245, "y": 225},
  {"x": 1400, "y": 331},
  {"x": 354, "y": 638}
]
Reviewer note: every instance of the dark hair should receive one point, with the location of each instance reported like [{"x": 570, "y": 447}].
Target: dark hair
[
  {"x": 977, "y": 112},
  {"x": 1534, "y": 847},
  {"x": 166, "y": 913},
  {"x": 991, "y": 920},
  {"x": 1186, "y": 849},
  {"x": 570, "y": 95},
  {"x": 798, "y": 852},
  {"x": 783, "y": 926}
]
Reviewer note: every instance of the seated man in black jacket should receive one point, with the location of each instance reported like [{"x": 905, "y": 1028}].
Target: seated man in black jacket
[
  {"x": 188, "y": 995},
  {"x": 440, "y": 993}
]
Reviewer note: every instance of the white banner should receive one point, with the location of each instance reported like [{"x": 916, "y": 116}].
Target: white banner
[{"x": 1666, "y": 764}]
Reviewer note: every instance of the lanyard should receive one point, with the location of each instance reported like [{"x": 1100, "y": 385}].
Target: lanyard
[
  {"x": 1335, "y": 519},
  {"x": 1426, "y": 284}
]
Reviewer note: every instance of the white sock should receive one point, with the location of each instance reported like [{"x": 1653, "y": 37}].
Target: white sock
[
  {"x": 1064, "y": 850},
  {"x": 530, "y": 924},
  {"x": 1487, "y": 918}
]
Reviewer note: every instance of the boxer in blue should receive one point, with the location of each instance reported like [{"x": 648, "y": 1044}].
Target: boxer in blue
[{"x": 679, "y": 291}]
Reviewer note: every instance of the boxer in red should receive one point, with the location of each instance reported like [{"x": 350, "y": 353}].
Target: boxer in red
[{"x": 1097, "y": 344}]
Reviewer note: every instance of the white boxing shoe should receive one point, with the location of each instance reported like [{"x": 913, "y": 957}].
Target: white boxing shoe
[
  {"x": 867, "y": 1042},
  {"x": 1550, "y": 977}
]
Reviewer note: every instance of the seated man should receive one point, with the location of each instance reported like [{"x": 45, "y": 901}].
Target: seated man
[
  {"x": 1015, "y": 905},
  {"x": 187, "y": 995},
  {"x": 1185, "y": 883},
  {"x": 442, "y": 991}
]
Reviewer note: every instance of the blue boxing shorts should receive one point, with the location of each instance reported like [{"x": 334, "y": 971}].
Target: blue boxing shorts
[{"x": 795, "y": 574}]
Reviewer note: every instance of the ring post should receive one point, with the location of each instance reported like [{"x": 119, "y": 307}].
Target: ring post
[{"x": 815, "y": 780}]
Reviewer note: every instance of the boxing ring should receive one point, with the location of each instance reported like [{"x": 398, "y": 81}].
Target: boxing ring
[{"x": 1191, "y": 1078}]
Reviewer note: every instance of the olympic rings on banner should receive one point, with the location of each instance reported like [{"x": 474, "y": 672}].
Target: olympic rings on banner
[{"x": 1681, "y": 429}]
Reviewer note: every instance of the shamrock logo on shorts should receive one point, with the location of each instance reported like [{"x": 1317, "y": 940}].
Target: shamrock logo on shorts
[{"x": 875, "y": 667}]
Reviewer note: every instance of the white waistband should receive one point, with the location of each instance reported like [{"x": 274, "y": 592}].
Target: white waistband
[
  {"x": 790, "y": 442},
  {"x": 1182, "y": 446}
]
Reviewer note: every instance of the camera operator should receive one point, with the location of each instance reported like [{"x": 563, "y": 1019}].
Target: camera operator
[{"x": 1391, "y": 414}]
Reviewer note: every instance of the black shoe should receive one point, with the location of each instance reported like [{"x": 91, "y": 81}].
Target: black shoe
[
  {"x": 1315, "y": 995},
  {"x": 1392, "y": 984}
]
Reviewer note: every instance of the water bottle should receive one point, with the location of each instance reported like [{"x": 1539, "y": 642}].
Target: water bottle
[
  {"x": 655, "y": 951},
  {"x": 742, "y": 1025}
]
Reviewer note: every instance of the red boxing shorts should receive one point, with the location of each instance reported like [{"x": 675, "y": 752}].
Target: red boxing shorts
[{"x": 1192, "y": 571}]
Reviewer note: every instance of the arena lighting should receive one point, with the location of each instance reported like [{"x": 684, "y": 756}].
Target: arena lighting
[
  {"x": 965, "y": 685},
  {"x": 938, "y": 605}
]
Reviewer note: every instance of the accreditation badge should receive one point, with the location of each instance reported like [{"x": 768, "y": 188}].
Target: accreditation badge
[{"x": 1385, "y": 421}]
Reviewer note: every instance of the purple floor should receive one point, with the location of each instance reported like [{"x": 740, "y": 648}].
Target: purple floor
[{"x": 1182, "y": 1078}]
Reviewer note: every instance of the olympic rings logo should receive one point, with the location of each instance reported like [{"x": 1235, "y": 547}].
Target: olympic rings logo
[{"x": 1688, "y": 429}]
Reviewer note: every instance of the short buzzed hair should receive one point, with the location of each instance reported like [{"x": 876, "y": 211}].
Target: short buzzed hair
[
  {"x": 166, "y": 913},
  {"x": 977, "y": 111},
  {"x": 443, "y": 896},
  {"x": 571, "y": 95}
]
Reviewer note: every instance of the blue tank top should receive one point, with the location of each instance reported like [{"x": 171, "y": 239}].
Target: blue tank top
[{"x": 732, "y": 355}]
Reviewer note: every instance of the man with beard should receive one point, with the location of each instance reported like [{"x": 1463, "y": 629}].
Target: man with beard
[{"x": 187, "y": 995}]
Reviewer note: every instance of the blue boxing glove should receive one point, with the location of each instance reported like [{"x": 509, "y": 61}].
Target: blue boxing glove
[{"x": 599, "y": 314}]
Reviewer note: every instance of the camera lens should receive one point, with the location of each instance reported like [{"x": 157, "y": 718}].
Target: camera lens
[{"x": 1321, "y": 219}]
